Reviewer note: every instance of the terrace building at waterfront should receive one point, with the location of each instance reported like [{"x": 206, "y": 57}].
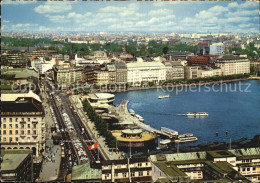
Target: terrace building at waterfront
[
  {"x": 138, "y": 72},
  {"x": 231, "y": 65}
]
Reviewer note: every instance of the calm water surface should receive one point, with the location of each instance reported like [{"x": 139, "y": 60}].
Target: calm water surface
[{"x": 235, "y": 112}]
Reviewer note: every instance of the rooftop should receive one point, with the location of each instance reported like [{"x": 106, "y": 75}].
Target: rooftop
[
  {"x": 132, "y": 131},
  {"x": 85, "y": 172},
  {"x": 144, "y": 64},
  {"x": 170, "y": 169},
  {"x": 15, "y": 96},
  {"x": 220, "y": 154},
  {"x": 13, "y": 158},
  {"x": 180, "y": 156}
]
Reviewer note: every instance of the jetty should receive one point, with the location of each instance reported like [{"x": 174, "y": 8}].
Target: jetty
[{"x": 124, "y": 114}]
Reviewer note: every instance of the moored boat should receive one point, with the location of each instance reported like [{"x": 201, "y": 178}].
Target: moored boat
[{"x": 139, "y": 117}]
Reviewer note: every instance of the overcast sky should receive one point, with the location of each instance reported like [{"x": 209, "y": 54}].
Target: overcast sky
[{"x": 131, "y": 16}]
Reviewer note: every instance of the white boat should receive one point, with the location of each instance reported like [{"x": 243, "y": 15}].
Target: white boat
[
  {"x": 169, "y": 131},
  {"x": 196, "y": 114},
  {"x": 139, "y": 117},
  {"x": 132, "y": 112},
  {"x": 163, "y": 96},
  {"x": 186, "y": 139}
]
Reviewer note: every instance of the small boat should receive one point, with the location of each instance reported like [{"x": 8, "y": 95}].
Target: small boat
[
  {"x": 132, "y": 112},
  {"x": 186, "y": 139},
  {"x": 139, "y": 117},
  {"x": 169, "y": 131},
  {"x": 165, "y": 143},
  {"x": 196, "y": 114},
  {"x": 163, "y": 96}
]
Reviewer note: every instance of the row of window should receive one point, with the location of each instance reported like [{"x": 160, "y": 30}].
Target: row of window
[
  {"x": 22, "y": 132},
  {"x": 22, "y": 126},
  {"x": 246, "y": 169},
  {"x": 17, "y": 119},
  {"x": 132, "y": 174},
  {"x": 16, "y": 139}
]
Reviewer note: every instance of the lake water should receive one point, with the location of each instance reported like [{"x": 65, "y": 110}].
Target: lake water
[{"x": 236, "y": 111}]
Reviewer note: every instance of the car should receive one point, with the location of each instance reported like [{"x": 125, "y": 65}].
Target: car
[
  {"x": 62, "y": 154},
  {"x": 75, "y": 163}
]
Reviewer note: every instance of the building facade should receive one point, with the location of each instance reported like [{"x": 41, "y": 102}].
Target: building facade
[
  {"x": 22, "y": 127},
  {"x": 121, "y": 73},
  {"x": 217, "y": 49},
  {"x": 65, "y": 75},
  {"x": 127, "y": 170},
  {"x": 175, "y": 70},
  {"x": 231, "y": 65},
  {"x": 138, "y": 72}
]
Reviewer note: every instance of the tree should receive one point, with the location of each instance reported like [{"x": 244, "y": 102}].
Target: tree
[{"x": 165, "y": 49}]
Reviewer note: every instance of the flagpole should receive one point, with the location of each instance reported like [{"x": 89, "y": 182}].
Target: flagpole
[{"x": 98, "y": 154}]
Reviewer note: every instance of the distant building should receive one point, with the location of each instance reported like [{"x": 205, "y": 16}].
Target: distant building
[
  {"x": 66, "y": 75},
  {"x": 101, "y": 77},
  {"x": 15, "y": 60},
  {"x": 217, "y": 49},
  {"x": 16, "y": 166},
  {"x": 177, "y": 55},
  {"x": 111, "y": 68},
  {"x": 230, "y": 65},
  {"x": 174, "y": 70},
  {"x": 203, "y": 47},
  {"x": 205, "y": 72},
  {"x": 138, "y": 72},
  {"x": 200, "y": 60},
  {"x": 22, "y": 125},
  {"x": 191, "y": 72},
  {"x": 121, "y": 73}
]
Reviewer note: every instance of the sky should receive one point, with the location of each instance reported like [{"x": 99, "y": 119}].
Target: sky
[{"x": 130, "y": 16}]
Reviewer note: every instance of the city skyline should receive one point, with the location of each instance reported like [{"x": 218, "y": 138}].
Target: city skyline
[{"x": 31, "y": 16}]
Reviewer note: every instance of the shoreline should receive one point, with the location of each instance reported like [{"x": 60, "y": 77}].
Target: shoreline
[{"x": 178, "y": 85}]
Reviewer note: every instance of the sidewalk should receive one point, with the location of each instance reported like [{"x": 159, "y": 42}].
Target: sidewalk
[
  {"x": 92, "y": 130},
  {"x": 51, "y": 165}
]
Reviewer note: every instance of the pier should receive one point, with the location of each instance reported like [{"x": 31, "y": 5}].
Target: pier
[{"x": 124, "y": 114}]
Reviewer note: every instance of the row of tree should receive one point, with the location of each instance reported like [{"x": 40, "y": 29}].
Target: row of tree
[
  {"x": 251, "y": 51},
  {"x": 101, "y": 125},
  {"x": 152, "y": 49},
  {"x": 209, "y": 79}
]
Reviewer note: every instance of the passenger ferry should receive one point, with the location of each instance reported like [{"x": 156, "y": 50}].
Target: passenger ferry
[
  {"x": 163, "y": 96},
  {"x": 132, "y": 112},
  {"x": 165, "y": 143},
  {"x": 188, "y": 137},
  {"x": 196, "y": 114},
  {"x": 139, "y": 117},
  {"x": 169, "y": 131}
]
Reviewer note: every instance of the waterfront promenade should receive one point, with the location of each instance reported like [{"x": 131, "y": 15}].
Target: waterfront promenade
[{"x": 90, "y": 126}]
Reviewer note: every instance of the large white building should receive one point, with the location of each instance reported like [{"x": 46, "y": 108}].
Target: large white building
[
  {"x": 231, "y": 65},
  {"x": 22, "y": 117},
  {"x": 138, "y": 72},
  {"x": 217, "y": 49}
]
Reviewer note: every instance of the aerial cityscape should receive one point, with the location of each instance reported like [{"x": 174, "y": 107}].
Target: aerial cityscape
[{"x": 130, "y": 91}]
